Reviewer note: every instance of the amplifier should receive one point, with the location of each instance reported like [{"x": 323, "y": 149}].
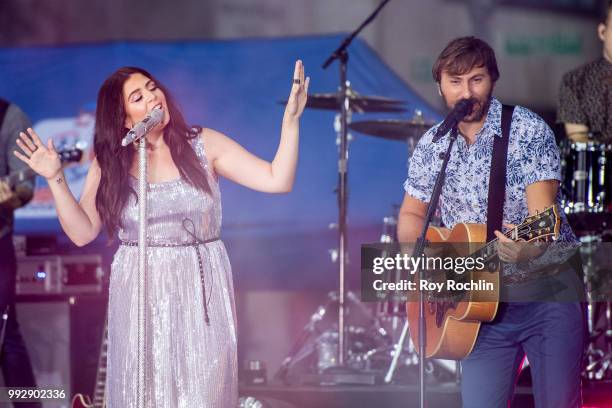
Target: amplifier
[{"x": 59, "y": 274}]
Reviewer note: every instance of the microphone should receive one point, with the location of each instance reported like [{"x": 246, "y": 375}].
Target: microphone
[
  {"x": 460, "y": 111},
  {"x": 143, "y": 127}
]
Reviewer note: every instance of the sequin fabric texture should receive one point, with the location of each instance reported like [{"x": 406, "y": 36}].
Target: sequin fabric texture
[{"x": 187, "y": 362}]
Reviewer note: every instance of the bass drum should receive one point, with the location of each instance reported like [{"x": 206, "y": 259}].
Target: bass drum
[{"x": 587, "y": 177}]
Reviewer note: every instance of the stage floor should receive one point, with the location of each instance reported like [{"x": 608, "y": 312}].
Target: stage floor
[{"x": 395, "y": 396}]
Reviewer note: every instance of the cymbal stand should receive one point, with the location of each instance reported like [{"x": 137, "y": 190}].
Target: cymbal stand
[
  {"x": 344, "y": 98},
  {"x": 341, "y": 54}
]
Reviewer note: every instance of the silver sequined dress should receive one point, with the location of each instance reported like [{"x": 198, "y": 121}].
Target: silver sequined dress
[{"x": 188, "y": 362}]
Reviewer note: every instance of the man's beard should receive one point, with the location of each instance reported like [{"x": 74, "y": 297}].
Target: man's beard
[{"x": 481, "y": 112}]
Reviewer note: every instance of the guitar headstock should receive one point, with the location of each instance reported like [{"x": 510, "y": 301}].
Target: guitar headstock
[
  {"x": 542, "y": 226},
  {"x": 68, "y": 155}
]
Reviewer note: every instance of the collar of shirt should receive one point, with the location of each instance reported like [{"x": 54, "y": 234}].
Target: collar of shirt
[{"x": 605, "y": 64}]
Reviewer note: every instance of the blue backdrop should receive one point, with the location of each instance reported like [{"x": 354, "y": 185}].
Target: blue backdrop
[{"x": 235, "y": 87}]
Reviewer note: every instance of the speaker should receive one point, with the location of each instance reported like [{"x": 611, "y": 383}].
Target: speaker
[{"x": 63, "y": 336}]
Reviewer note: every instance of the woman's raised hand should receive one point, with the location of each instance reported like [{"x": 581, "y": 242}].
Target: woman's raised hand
[
  {"x": 299, "y": 92},
  {"x": 44, "y": 160}
]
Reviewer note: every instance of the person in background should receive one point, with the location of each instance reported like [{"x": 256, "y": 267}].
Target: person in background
[
  {"x": 14, "y": 358},
  {"x": 585, "y": 97}
]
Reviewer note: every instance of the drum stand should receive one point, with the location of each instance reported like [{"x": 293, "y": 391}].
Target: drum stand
[
  {"x": 599, "y": 362},
  {"x": 313, "y": 329},
  {"x": 585, "y": 189},
  {"x": 393, "y": 311},
  {"x": 339, "y": 371}
]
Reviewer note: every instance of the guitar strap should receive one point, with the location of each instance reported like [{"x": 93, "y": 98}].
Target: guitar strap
[
  {"x": 497, "y": 178},
  {"x": 3, "y": 108}
]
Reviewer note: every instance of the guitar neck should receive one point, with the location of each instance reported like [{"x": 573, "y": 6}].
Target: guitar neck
[
  {"x": 487, "y": 252},
  {"x": 99, "y": 394},
  {"x": 540, "y": 226},
  {"x": 15, "y": 178}
]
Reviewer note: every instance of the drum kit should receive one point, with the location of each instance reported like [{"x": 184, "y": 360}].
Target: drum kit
[
  {"x": 587, "y": 184},
  {"x": 587, "y": 201}
]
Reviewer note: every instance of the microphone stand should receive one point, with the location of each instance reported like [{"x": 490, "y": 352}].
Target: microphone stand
[
  {"x": 142, "y": 270},
  {"x": 142, "y": 266},
  {"x": 419, "y": 247},
  {"x": 341, "y": 54}
]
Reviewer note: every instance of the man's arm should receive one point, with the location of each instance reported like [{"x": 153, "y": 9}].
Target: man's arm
[
  {"x": 542, "y": 174},
  {"x": 15, "y": 121},
  {"x": 411, "y": 219},
  {"x": 577, "y": 132}
]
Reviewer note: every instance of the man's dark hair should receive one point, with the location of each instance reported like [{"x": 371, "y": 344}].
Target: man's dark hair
[
  {"x": 464, "y": 53},
  {"x": 605, "y": 11}
]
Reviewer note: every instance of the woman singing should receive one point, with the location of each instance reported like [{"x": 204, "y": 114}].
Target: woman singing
[{"x": 190, "y": 347}]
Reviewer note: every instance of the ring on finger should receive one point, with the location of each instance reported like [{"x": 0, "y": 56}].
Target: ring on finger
[{"x": 297, "y": 81}]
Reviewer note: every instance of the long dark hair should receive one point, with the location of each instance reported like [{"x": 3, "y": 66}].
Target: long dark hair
[{"x": 115, "y": 161}]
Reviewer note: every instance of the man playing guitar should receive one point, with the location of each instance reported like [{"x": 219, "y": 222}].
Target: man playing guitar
[
  {"x": 14, "y": 358},
  {"x": 549, "y": 333}
]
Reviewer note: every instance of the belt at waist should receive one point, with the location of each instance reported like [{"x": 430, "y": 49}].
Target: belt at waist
[{"x": 171, "y": 244}]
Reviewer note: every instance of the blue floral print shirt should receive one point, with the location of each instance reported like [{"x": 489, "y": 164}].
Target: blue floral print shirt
[{"x": 533, "y": 156}]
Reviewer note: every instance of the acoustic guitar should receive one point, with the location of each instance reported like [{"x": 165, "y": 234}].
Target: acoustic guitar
[{"x": 452, "y": 326}]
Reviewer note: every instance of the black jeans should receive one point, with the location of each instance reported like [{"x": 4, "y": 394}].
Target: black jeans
[{"x": 16, "y": 365}]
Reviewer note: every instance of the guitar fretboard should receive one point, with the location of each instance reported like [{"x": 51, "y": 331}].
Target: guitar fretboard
[
  {"x": 99, "y": 394},
  {"x": 541, "y": 226}
]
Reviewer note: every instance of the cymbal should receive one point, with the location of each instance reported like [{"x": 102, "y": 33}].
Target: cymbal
[
  {"x": 358, "y": 103},
  {"x": 392, "y": 129}
]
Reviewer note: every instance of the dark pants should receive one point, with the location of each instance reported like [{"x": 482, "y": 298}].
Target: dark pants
[
  {"x": 552, "y": 336},
  {"x": 16, "y": 366}
]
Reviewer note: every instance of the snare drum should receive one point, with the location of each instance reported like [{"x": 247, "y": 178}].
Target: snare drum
[{"x": 587, "y": 177}]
